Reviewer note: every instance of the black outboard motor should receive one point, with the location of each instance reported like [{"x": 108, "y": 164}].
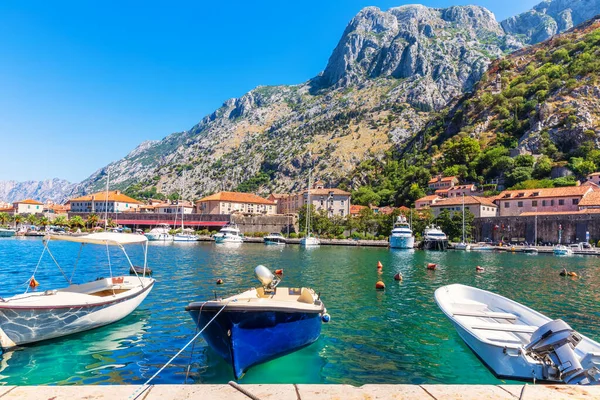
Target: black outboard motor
[{"x": 555, "y": 341}]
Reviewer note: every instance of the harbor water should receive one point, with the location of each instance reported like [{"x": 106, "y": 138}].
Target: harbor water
[{"x": 394, "y": 336}]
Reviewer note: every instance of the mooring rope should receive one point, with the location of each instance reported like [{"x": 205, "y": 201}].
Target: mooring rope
[
  {"x": 244, "y": 391},
  {"x": 145, "y": 386}
]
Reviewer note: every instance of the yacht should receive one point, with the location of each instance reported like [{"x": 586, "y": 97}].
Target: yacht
[
  {"x": 402, "y": 235},
  {"x": 230, "y": 233},
  {"x": 160, "y": 233},
  {"x": 562, "y": 250},
  {"x": 4, "y": 232},
  {"x": 434, "y": 238},
  {"x": 275, "y": 238}
]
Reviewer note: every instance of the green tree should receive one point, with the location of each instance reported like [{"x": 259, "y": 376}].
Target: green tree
[
  {"x": 61, "y": 220},
  {"x": 77, "y": 222},
  {"x": 32, "y": 219},
  {"x": 365, "y": 196},
  {"x": 4, "y": 218},
  {"x": 44, "y": 222},
  {"x": 19, "y": 219},
  {"x": 92, "y": 220},
  {"x": 460, "y": 151},
  {"x": 518, "y": 174},
  {"x": 542, "y": 168}
]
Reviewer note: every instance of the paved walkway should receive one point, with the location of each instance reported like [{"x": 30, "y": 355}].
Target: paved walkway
[{"x": 303, "y": 392}]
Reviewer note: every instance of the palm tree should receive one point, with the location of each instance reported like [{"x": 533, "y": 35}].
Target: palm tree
[
  {"x": 32, "y": 219},
  {"x": 110, "y": 223},
  {"x": 44, "y": 222},
  {"x": 61, "y": 220},
  {"x": 4, "y": 218},
  {"x": 92, "y": 220},
  {"x": 76, "y": 222},
  {"x": 19, "y": 219}
]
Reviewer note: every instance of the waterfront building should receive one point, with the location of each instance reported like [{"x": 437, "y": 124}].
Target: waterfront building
[
  {"x": 174, "y": 208},
  {"x": 328, "y": 200},
  {"x": 275, "y": 198},
  {"x": 234, "y": 202},
  {"x": 28, "y": 206},
  {"x": 442, "y": 182},
  {"x": 427, "y": 201},
  {"x": 56, "y": 209},
  {"x": 479, "y": 206},
  {"x": 356, "y": 209},
  {"x": 111, "y": 201},
  {"x": 561, "y": 199},
  {"x": 590, "y": 201}
]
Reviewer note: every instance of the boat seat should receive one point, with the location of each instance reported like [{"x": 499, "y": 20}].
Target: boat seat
[
  {"x": 486, "y": 314},
  {"x": 505, "y": 328},
  {"x": 306, "y": 296}
]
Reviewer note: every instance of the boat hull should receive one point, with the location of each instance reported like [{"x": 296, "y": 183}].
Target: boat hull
[
  {"x": 7, "y": 233},
  {"x": 228, "y": 239},
  {"x": 402, "y": 242},
  {"x": 27, "y": 324},
  {"x": 185, "y": 238},
  {"x": 247, "y": 338},
  {"x": 156, "y": 237},
  {"x": 440, "y": 245}
]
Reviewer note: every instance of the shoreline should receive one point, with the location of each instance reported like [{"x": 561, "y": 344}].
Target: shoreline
[{"x": 302, "y": 392}]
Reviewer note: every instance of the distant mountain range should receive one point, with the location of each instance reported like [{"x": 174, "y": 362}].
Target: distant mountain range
[
  {"x": 390, "y": 75},
  {"x": 57, "y": 190}
]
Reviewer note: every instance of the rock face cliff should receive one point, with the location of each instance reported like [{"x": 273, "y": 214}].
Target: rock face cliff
[
  {"x": 389, "y": 74},
  {"x": 57, "y": 190}
]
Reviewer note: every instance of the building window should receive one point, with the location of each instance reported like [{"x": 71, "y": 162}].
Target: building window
[
  {"x": 543, "y": 203},
  {"x": 551, "y": 202},
  {"x": 506, "y": 204},
  {"x": 561, "y": 202},
  {"x": 575, "y": 201},
  {"x": 534, "y": 203},
  {"x": 520, "y": 204}
]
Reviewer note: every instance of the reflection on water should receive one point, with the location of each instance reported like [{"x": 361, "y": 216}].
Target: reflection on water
[{"x": 393, "y": 336}]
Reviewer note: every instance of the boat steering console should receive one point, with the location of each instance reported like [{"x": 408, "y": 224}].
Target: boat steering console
[
  {"x": 553, "y": 344},
  {"x": 266, "y": 278}
]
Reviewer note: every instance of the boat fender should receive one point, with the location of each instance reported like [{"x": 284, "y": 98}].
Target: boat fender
[
  {"x": 563, "y": 272},
  {"x": 33, "y": 283},
  {"x": 380, "y": 285},
  {"x": 572, "y": 274},
  {"x": 379, "y": 265},
  {"x": 325, "y": 317},
  {"x": 219, "y": 281},
  {"x": 50, "y": 292},
  {"x": 398, "y": 276},
  {"x": 279, "y": 272},
  {"x": 431, "y": 266},
  {"x": 479, "y": 269}
]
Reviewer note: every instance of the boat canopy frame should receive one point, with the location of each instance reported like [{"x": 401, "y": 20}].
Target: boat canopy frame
[{"x": 103, "y": 238}]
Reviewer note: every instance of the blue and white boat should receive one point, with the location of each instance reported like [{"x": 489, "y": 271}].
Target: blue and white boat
[
  {"x": 4, "y": 232},
  {"x": 260, "y": 324},
  {"x": 561, "y": 250},
  {"x": 275, "y": 238},
  {"x": 402, "y": 235},
  {"x": 230, "y": 233}
]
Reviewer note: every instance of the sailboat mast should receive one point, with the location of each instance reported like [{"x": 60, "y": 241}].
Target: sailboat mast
[
  {"x": 535, "y": 232},
  {"x": 106, "y": 202},
  {"x": 308, "y": 205},
  {"x": 463, "y": 210}
]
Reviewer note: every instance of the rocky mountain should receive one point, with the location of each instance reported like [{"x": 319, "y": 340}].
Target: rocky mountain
[
  {"x": 57, "y": 190},
  {"x": 388, "y": 76}
]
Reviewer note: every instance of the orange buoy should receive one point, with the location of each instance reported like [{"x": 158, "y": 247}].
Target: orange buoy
[
  {"x": 33, "y": 283},
  {"x": 479, "y": 269},
  {"x": 379, "y": 265},
  {"x": 431, "y": 266},
  {"x": 398, "y": 276},
  {"x": 573, "y": 274},
  {"x": 219, "y": 281},
  {"x": 279, "y": 272},
  {"x": 380, "y": 285}
]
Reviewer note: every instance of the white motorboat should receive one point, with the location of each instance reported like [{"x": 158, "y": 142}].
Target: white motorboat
[
  {"x": 481, "y": 246},
  {"x": 561, "y": 250},
  {"x": 434, "y": 238},
  {"x": 517, "y": 342},
  {"x": 35, "y": 316},
  {"x": 4, "y": 232},
  {"x": 261, "y": 323},
  {"x": 402, "y": 234},
  {"x": 160, "y": 233},
  {"x": 230, "y": 233},
  {"x": 186, "y": 235},
  {"x": 275, "y": 239}
]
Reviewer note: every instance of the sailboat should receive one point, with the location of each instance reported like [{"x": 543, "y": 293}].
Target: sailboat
[
  {"x": 463, "y": 245},
  {"x": 186, "y": 235},
  {"x": 309, "y": 240},
  {"x": 532, "y": 249}
]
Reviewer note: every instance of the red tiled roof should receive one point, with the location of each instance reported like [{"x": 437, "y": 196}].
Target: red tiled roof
[
  {"x": 469, "y": 200},
  {"x": 278, "y": 195},
  {"x": 113, "y": 195},
  {"x": 428, "y": 198},
  {"x": 440, "y": 191},
  {"x": 590, "y": 199},
  {"x": 355, "y": 209},
  {"x": 29, "y": 201},
  {"x": 443, "y": 179},
  {"x": 326, "y": 192},
  {"x": 237, "y": 197},
  {"x": 544, "y": 193}
]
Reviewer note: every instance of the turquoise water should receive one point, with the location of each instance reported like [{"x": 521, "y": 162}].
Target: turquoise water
[{"x": 392, "y": 336}]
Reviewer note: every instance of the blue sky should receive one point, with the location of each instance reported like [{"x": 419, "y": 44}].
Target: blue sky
[{"x": 83, "y": 83}]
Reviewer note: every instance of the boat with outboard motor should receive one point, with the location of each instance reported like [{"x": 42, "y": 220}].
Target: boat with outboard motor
[
  {"x": 34, "y": 316},
  {"x": 275, "y": 238},
  {"x": 517, "y": 342},
  {"x": 562, "y": 250},
  {"x": 402, "y": 234},
  {"x": 434, "y": 238},
  {"x": 4, "y": 232},
  {"x": 260, "y": 324},
  {"x": 230, "y": 233},
  {"x": 160, "y": 233}
]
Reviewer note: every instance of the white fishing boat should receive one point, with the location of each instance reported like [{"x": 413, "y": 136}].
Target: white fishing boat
[
  {"x": 160, "y": 233},
  {"x": 34, "y": 316},
  {"x": 561, "y": 250},
  {"x": 261, "y": 323},
  {"x": 517, "y": 342},
  {"x": 7, "y": 232},
  {"x": 230, "y": 233},
  {"x": 309, "y": 240},
  {"x": 402, "y": 234},
  {"x": 434, "y": 238},
  {"x": 275, "y": 238}
]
